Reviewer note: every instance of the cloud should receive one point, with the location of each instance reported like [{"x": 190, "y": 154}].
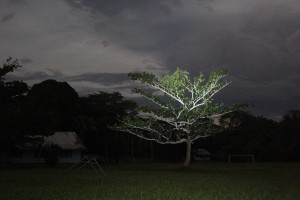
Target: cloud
[
  {"x": 63, "y": 38},
  {"x": 113, "y": 8},
  {"x": 94, "y": 43},
  {"x": 106, "y": 79},
  {"x": 7, "y": 17},
  {"x": 26, "y": 60},
  {"x": 33, "y": 77}
]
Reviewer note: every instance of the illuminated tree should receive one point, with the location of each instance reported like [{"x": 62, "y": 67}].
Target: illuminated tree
[{"x": 186, "y": 116}]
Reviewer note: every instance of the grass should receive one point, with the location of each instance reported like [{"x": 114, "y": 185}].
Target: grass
[{"x": 209, "y": 181}]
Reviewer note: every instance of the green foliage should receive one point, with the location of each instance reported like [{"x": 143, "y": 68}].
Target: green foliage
[
  {"x": 186, "y": 116},
  {"x": 181, "y": 88},
  {"x": 188, "y": 111}
]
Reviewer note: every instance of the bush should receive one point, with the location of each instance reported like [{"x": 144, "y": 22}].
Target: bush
[{"x": 50, "y": 153}]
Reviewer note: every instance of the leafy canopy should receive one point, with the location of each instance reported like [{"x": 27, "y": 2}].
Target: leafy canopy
[{"x": 187, "y": 114}]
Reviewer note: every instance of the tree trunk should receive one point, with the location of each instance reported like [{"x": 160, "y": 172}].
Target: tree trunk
[
  {"x": 106, "y": 153},
  {"x": 188, "y": 152},
  {"x": 151, "y": 148},
  {"x": 132, "y": 150}
]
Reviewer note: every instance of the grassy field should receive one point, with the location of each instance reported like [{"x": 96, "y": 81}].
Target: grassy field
[{"x": 154, "y": 181}]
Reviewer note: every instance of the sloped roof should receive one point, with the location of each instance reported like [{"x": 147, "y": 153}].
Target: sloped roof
[
  {"x": 65, "y": 140},
  {"x": 202, "y": 152}
]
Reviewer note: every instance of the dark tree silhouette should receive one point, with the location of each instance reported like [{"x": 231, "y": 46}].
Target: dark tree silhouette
[
  {"x": 12, "y": 98},
  {"x": 53, "y": 107},
  {"x": 290, "y": 134},
  {"x": 97, "y": 113}
]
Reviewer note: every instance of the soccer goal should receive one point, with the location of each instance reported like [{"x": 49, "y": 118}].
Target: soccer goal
[{"x": 241, "y": 158}]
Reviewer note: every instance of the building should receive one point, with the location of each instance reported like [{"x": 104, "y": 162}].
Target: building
[
  {"x": 201, "y": 155},
  {"x": 69, "y": 148}
]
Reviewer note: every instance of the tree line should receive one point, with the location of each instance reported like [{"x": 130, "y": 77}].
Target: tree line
[{"x": 51, "y": 106}]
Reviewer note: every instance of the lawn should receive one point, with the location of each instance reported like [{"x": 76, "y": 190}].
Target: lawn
[{"x": 218, "y": 181}]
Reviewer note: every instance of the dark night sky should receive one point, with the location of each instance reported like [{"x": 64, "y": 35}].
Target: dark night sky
[{"x": 93, "y": 44}]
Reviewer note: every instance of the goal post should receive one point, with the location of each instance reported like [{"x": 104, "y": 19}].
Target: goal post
[{"x": 249, "y": 158}]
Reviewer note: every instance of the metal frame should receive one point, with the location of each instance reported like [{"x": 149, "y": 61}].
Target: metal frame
[{"x": 92, "y": 162}]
